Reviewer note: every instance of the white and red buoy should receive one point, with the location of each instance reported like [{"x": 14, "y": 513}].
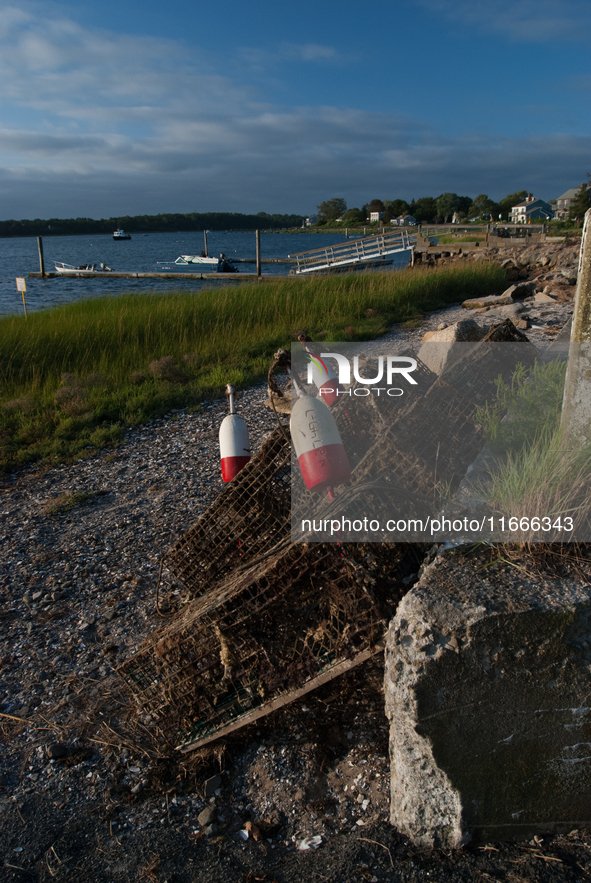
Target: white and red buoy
[
  {"x": 322, "y": 375},
  {"x": 318, "y": 445},
  {"x": 234, "y": 442}
]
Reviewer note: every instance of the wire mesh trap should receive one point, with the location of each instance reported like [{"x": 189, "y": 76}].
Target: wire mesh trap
[
  {"x": 419, "y": 456},
  {"x": 262, "y": 638},
  {"x": 249, "y": 517}
]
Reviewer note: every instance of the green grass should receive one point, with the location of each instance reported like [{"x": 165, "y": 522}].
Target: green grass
[
  {"x": 450, "y": 239},
  {"x": 538, "y": 474},
  {"x": 73, "y": 376},
  {"x": 532, "y": 402}
]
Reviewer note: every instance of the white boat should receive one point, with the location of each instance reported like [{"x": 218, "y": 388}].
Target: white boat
[
  {"x": 197, "y": 259},
  {"x": 82, "y": 270},
  {"x": 217, "y": 265},
  {"x": 121, "y": 234}
]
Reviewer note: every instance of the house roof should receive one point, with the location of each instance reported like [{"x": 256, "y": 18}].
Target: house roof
[
  {"x": 570, "y": 194},
  {"x": 534, "y": 202}
]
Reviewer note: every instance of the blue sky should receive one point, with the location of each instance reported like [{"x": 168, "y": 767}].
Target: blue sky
[{"x": 130, "y": 108}]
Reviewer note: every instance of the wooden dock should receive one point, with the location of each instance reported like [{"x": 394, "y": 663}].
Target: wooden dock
[{"x": 238, "y": 277}]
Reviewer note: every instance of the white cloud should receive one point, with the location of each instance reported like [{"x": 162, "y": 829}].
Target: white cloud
[
  {"x": 121, "y": 124},
  {"x": 527, "y": 21}
]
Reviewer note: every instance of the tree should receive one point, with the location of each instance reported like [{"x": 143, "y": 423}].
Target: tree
[
  {"x": 330, "y": 210},
  {"x": 397, "y": 207},
  {"x": 376, "y": 205},
  {"x": 482, "y": 206},
  {"x": 447, "y": 204},
  {"x": 424, "y": 210},
  {"x": 354, "y": 216},
  {"x": 580, "y": 203}
]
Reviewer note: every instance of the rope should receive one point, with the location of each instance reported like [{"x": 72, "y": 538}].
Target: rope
[{"x": 281, "y": 359}]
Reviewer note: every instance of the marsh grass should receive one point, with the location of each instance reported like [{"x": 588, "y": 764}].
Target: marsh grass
[
  {"x": 125, "y": 360},
  {"x": 539, "y": 474}
]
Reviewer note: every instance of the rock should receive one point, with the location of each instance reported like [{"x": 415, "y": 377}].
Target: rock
[
  {"x": 212, "y": 785},
  {"x": 493, "y": 300},
  {"x": 522, "y": 324},
  {"x": 487, "y": 683},
  {"x": 57, "y": 750},
  {"x": 510, "y": 310},
  {"x": 37, "y": 596},
  {"x": 519, "y": 291},
  {"x": 542, "y": 298},
  {"x": 207, "y": 816},
  {"x": 438, "y": 348}
]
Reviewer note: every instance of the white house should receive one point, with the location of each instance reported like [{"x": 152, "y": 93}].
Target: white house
[
  {"x": 374, "y": 217},
  {"x": 530, "y": 209},
  {"x": 404, "y": 221}
]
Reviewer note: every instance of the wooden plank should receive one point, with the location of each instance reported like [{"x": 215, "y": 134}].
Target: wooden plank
[{"x": 284, "y": 699}]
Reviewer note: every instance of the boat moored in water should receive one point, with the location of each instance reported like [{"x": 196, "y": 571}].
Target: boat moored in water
[
  {"x": 203, "y": 261},
  {"x": 121, "y": 234},
  {"x": 82, "y": 270}
]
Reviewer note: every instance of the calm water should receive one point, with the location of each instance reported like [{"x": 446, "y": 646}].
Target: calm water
[{"x": 18, "y": 257}]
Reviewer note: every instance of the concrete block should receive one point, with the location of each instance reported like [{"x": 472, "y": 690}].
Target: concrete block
[{"x": 488, "y": 691}]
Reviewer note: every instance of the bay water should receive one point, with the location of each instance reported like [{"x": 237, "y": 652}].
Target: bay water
[{"x": 141, "y": 254}]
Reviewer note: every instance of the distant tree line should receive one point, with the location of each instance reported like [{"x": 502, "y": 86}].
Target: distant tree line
[
  {"x": 151, "y": 224},
  {"x": 426, "y": 210}
]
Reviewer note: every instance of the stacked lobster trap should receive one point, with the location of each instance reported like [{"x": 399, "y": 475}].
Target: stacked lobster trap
[
  {"x": 265, "y": 636},
  {"x": 268, "y": 620}
]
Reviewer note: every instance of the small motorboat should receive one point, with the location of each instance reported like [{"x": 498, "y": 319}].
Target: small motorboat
[
  {"x": 121, "y": 234},
  {"x": 216, "y": 265},
  {"x": 82, "y": 270},
  {"x": 197, "y": 259}
]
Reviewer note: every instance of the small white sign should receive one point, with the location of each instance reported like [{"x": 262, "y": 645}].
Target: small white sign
[{"x": 21, "y": 285}]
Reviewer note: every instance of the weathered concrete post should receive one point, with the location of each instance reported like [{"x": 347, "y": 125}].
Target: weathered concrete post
[{"x": 576, "y": 407}]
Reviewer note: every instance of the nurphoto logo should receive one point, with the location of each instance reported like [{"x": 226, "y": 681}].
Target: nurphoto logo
[{"x": 322, "y": 374}]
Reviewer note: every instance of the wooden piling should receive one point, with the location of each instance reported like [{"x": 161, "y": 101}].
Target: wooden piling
[
  {"x": 41, "y": 261},
  {"x": 258, "y": 244},
  {"x": 205, "y": 243},
  {"x": 576, "y": 406}
]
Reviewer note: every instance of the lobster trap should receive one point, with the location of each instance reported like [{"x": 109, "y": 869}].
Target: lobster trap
[
  {"x": 262, "y": 638},
  {"x": 363, "y": 419},
  {"x": 420, "y": 453},
  {"x": 249, "y": 517}
]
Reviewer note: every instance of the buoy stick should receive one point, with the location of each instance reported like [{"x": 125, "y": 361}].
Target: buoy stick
[{"x": 230, "y": 390}]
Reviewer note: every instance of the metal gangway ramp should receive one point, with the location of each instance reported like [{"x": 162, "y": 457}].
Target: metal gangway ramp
[{"x": 370, "y": 250}]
